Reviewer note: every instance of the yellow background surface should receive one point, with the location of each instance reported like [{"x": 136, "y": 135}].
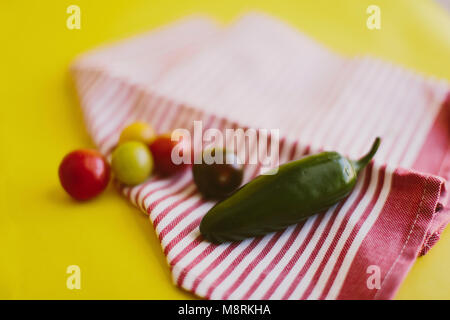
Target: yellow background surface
[{"x": 42, "y": 231}]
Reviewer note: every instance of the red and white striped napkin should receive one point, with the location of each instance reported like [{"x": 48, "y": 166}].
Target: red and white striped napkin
[{"x": 261, "y": 73}]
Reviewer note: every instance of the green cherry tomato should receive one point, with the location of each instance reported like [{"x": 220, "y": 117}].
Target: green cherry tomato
[{"x": 132, "y": 162}]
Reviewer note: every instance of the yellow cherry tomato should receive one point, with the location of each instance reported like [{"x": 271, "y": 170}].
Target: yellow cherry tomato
[{"x": 138, "y": 131}]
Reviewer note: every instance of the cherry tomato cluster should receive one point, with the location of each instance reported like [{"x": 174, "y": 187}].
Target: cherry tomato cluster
[
  {"x": 86, "y": 173},
  {"x": 140, "y": 152}
]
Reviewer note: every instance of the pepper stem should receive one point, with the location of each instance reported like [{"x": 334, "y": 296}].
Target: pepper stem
[{"x": 361, "y": 163}]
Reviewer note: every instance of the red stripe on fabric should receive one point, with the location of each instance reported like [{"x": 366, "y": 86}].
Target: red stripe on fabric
[
  {"x": 415, "y": 128},
  {"x": 128, "y": 192},
  {"x": 212, "y": 265},
  {"x": 339, "y": 232},
  {"x": 252, "y": 265},
  {"x": 85, "y": 90},
  {"x": 437, "y": 144},
  {"x": 141, "y": 188},
  {"x": 158, "y": 114},
  {"x": 341, "y": 111},
  {"x": 172, "y": 206},
  {"x": 307, "y": 150},
  {"x": 93, "y": 107},
  {"x": 180, "y": 237},
  {"x": 126, "y": 117},
  {"x": 230, "y": 268},
  {"x": 96, "y": 90},
  {"x": 316, "y": 249},
  {"x": 194, "y": 262},
  {"x": 109, "y": 112},
  {"x": 293, "y": 260},
  {"x": 171, "y": 116},
  {"x": 116, "y": 103},
  {"x": 322, "y": 238},
  {"x": 374, "y": 111},
  {"x": 165, "y": 107},
  {"x": 151, "y": 107},
  {"x": 179, "y": 218},
  {"x": 395, "y": 237},
  {"x": 274, "y": 261},
  {"x": 84, "y": 86},
  {"x": 293, "y": 150},
  {"x": 182, "y": 188},
  {"x": 376, "y": 102},
  {"x": 167, "y": 184},
  {"x": 144, "y": 106},
  {"x": 188, "y": 248},
  {"x": 183, "y": 113},
  {"x": 348, "y": 242}
]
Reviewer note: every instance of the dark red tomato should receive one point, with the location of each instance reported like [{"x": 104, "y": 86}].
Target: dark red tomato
[
  {"x": 161, "y": 149},
  {"x": 218, "y": 180},
  {"x": 84, "y": 173}
]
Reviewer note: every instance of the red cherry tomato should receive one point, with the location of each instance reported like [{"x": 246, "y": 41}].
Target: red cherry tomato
[
  {"x": 161, "y": 149},
  {"x": 84, "y": 173}
]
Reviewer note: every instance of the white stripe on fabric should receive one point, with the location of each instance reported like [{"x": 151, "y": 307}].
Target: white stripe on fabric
[{"x": 367, "y": 225}]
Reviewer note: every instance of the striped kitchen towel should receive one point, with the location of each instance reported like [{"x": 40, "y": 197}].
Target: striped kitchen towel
[{"x": 261, "y": 73}]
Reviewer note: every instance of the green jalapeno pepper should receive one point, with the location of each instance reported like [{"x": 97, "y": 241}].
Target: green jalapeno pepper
[{"x": 297, "y": 191}]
